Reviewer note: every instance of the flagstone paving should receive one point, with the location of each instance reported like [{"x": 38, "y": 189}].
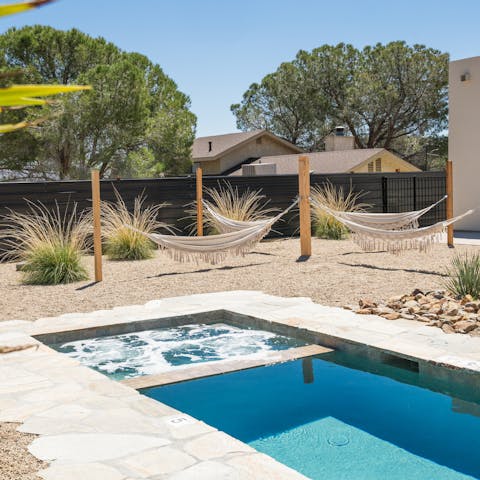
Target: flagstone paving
[{"x": 92, "y": 427}]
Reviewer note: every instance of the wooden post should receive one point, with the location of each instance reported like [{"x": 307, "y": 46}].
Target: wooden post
[
  {"x": 450, "y": 202},
  {"x": 199, "y": 202},
  {"x": 304, "y": 205},
  {"x": 97, "y": 234}
]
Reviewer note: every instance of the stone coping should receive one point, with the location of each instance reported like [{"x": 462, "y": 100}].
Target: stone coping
[
  {"x": 92, "y": 427},
  {"x": 223, "y": 366}
]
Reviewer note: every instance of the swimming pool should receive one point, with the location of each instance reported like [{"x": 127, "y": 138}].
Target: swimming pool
[
  {"x": 330, "y": 421},
  {"x": 160, "y": 350}
]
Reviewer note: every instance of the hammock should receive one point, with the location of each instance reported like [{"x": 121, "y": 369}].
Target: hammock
[
  {"x": 227, "y": 225},
  {"x": 396, "y": 241},
  {"x": 215, "y": 248},
  {"x": 385, "y": 221}
]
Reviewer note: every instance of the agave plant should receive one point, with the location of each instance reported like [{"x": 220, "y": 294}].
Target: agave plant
[
  {"x": 463, "y": 275},
  {"x": 124, "y": 231},
  {"x": 226, "y": 200},
  {"x": 326, "y": 226},
  {"x": 49, "y": 242}
]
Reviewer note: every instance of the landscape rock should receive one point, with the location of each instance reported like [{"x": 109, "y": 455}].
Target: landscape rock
[
  {"x": 465, "y": 326},
  {"x": 434, "y": 308},
  {"x": 366, "y": 303},
  {"x": 391, "y": 316},
  {"x": 448, "y": 328},
  {"x": 466, "y": 299}
]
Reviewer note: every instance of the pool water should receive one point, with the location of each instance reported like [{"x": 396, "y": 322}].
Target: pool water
[
  {"x": 329, "y": 421},
  {"x": 156, "y": 351}
]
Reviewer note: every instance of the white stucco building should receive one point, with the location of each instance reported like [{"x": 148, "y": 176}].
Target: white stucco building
[{"x": 464, "y": 138}]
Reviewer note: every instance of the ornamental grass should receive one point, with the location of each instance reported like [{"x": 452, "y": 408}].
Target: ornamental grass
[
  {"x": 48, "y": 242},
  {"x": 124, "y": 231},
  {"x": 226, "y": 200},
  {"x": 326, "y": 226}
]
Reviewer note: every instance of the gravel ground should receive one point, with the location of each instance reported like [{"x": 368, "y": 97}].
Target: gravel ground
[
  {"x": 338, "y": 273},
  {"x": 13, "y": 446}
]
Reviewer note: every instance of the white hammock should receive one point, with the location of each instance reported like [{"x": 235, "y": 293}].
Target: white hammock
[
  {"x": 215, "y": 248},
  {"x": 396, "y": 241},
  {"x": 385, "y": 221},
  {"x": 227, "y": 225}
]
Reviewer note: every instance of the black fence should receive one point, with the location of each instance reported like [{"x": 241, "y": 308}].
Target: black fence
[{"x": 394, "y": 192}]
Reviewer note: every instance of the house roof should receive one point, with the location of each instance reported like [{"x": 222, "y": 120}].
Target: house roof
[
  {"x": 222, "y": 144},
  {"x": 339, "y": 161}
]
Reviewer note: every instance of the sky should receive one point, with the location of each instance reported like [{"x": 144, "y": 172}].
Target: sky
[{"x": 214, "y": 49}]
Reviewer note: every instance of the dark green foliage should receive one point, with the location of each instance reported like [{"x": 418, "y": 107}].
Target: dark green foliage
[
  {"x": 380, "y": 93},
  {"x": 133, "y": 107}
]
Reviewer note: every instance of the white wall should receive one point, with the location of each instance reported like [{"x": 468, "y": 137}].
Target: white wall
[{"x": 464, "y": 139}]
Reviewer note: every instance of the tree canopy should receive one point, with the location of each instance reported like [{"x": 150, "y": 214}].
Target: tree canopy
[
  {"x": 381, "y": 93},
  {"x": 133, "y": 122}
]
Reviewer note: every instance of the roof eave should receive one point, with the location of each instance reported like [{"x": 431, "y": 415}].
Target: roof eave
[{"x": 249, "y": 139}]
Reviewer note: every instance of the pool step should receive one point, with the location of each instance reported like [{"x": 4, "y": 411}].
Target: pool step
[{"x": 224, "y": 366}]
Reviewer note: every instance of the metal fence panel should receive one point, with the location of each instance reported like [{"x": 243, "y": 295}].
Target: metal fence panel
[{"x": 384, "y": 192}]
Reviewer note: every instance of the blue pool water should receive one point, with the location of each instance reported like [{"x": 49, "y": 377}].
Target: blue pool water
[
  {"x": 329, "y": 421},
  {"x": 160, "y": 350}
]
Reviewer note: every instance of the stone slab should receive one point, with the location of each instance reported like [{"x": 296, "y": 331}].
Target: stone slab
[
  {"x": 224, "y": 366},
  {"x": 91, "y": 447}
]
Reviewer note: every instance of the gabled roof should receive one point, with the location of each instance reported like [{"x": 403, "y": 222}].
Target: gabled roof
[
  {"x": 221, "y": 144},
  {"x": 339, "y": 161}
]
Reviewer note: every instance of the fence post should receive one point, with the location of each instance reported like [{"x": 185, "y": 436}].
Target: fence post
[
  {"x": 304, "y": 194},
  {"x": 384, "y": 195},
  {"x": 414, "y": 193},
  {"x": 199, "y": 202},
  {"x": 449, "y": 180},
  {"x": 97, "y": 235}
]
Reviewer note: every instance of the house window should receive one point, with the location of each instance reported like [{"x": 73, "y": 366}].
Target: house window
[
  {"x": 259, "y": 141},
  {"x": 370, "y": 167},
  {"x": 378, "y": 165}
]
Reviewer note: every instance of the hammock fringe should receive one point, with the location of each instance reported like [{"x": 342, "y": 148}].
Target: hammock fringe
[{"x": 397, "y": 241}]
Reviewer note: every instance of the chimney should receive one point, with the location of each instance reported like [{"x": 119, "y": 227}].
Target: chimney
[
  {"x": 209, "y": 146},
  {"x": 339, "y": 140}
]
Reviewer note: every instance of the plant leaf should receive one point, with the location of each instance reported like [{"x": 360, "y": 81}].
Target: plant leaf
[
  {"x": 21, "y": 7},
  {"x": 11, "y": 127},
  {"x": 22, "y": 95}
]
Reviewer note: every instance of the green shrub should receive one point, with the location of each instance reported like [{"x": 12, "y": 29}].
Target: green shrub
[
  {"x": 326, "y": 226},
  {"x": 50, "y": 244},
  {"x": 53, "y": 264},
  {"x": 123, "y": 231},
  {"x": 125, "y": 244},
  {"x": 464, "y": 275}
]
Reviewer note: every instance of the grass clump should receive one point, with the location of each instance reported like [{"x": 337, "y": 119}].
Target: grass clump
[
  {"x": 123, "y": 231},
  {"x": 463, "y": 275},
  {"x": 248, "y": 206},
  {"x": 326, "y": 226},
  {"x": 50, "y": 244}
]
